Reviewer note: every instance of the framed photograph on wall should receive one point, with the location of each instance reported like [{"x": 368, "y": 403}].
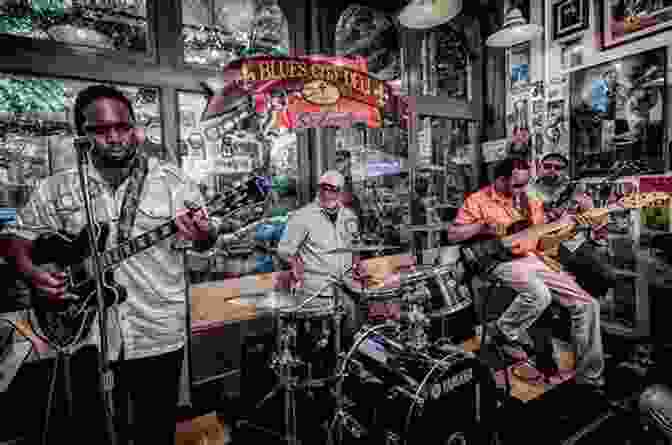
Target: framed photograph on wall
[
  {"x": 617, "y": 114},
  {"x": 569, "y": 18},
  {"x": 572, "y": 54},
  {"x": 625, "y": 20}
]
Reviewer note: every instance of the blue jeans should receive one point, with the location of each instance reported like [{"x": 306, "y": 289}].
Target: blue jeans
[{"x": 537, "y": 287}]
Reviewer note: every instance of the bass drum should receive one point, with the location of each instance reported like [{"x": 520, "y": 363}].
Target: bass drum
[{"x": 395, "y": 395}]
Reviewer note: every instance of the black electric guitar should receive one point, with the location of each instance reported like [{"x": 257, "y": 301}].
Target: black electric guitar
[{"x": 65, "y": 323}]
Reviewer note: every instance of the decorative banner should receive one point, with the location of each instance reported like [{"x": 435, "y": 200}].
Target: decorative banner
[{"x": 302, "y": 92}]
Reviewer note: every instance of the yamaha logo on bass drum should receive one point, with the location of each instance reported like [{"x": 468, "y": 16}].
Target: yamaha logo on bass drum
[{"x": 438, "y": 389}]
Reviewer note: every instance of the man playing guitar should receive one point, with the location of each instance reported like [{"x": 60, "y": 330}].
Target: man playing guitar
[
  {"x": 560, "y": 198},
  {"x": 483, "y": 214},
  {"x": 135, "y": 193}
]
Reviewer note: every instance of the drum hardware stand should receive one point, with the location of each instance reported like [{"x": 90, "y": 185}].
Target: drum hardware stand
[
  {"x": 83, "y": 146},
  {"x": 185, "y": 246}
]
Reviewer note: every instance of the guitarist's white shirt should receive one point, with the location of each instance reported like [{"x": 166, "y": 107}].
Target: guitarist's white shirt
[{"x": 151, "y": 321}]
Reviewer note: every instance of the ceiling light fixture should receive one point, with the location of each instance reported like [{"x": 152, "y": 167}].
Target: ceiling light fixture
[
  {"x": 425, "y": 14},
  {"x": 514, "y": 31}
]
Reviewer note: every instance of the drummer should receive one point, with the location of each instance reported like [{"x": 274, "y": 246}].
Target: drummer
[{"x": 321, "y": 226}]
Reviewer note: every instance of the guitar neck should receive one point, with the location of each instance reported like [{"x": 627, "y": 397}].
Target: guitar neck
[
  {"x": 540, "y": 230},
  {"x": 114, "y": 256},
  {"x": 224, "y": 205}
]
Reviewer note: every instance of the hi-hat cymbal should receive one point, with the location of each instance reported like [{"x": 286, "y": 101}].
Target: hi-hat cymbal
[{"x": 361, "y": 249}]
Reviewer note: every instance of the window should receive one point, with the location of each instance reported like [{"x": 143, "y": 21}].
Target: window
[
  {"x": 215, "y": 32},
  {"x": 36, "y": 131},
  {"x": 374, "y": 163},
  {"x": 104, "y": 24},
  {"x": 216, "y": 155}
]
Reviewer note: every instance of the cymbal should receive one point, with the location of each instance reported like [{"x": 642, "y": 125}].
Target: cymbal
[
  {"x": 429, "y": 227},
  {"x": 361, "y": 249}
]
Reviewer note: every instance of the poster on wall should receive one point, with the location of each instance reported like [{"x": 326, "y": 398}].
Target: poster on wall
[
  {"x": 556, "y": 129},
  {"x": 617, "y": 113},
  {"x": 625, "y": 20},
  {"x": 518, "y": 120},
  {"x": 519, "y": 68},
  {"x": 494, "y": 151}
]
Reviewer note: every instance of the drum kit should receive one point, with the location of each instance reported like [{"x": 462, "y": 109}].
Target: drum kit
[{"x": 396, "y": 377}]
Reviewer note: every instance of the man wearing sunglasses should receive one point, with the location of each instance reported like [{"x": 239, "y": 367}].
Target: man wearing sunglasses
[
  {"x": 134, "y": 193},
  {"x": 561, "y": 202},
  {"x": 481, "y": 216}
]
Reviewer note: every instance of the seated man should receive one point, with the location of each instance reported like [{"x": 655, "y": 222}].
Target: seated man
[
  {"x": 482, "y": 214},
  {"x": 577, "y": 254},
  {"x": 312, "y": 233}
]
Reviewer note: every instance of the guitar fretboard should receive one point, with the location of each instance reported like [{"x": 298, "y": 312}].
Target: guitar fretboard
[{"x": 224, "y": 205}]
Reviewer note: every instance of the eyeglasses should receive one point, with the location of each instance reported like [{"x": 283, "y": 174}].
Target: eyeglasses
[
  {"x": 328, "y": 188},
  {"x": 556, "y": 167}
]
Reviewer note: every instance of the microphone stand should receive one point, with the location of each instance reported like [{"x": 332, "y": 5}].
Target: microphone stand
[{"x": 83, "y": 147}]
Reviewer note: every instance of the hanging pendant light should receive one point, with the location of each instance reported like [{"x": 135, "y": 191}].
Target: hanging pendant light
[
  {"x": 424, "y": 14},
  {"x": 514, "y": 31}
]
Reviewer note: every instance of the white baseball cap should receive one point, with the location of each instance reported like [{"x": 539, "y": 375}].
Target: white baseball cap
[{"x": 332, "y": 178}]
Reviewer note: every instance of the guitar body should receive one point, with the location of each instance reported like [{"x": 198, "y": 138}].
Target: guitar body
[{"x": 68, "y": 322}]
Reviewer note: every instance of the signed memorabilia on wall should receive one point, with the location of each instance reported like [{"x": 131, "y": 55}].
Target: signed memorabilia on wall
[
  {"x": 518, "y": 120},
  {"x": 556, "y": 129},
  {"x": 624, "y": 20},
  {"x": 570, "y": 17},
  {"x": 617, "y": 112}
]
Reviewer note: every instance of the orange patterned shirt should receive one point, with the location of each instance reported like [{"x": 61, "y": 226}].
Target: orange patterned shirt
[{"x": 486, "y": 206}]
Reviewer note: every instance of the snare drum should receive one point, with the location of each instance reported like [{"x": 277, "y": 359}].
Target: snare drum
[
  {"x": 401, "y": 396},
  {"x": 379, "y": 305},
  {"x": 450, "y": 308}
]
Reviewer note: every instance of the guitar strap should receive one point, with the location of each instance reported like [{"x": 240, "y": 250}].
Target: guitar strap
[{"x": 131, "y": 201}]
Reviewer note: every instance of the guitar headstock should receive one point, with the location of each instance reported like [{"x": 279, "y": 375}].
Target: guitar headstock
[
  {"x": 639, "y": 200},
  {"x": 250, "y": 191}
]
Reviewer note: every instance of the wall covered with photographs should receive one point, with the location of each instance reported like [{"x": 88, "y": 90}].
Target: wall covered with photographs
[
  {"x": 595, "y": 87},
  {"x": 618, "y": 59}
]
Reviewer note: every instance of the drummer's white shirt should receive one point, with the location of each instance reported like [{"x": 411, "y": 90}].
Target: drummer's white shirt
[
  {"x": 310, "y": 234},
  {"x": 152, "y": 320}
]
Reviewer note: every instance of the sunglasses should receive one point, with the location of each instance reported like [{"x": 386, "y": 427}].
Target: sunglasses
[
  {"x": 328, "y": 188},
  {"x": 556, "y": 167}
]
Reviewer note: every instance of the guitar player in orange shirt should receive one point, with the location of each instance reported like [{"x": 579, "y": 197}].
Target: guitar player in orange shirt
[{"x": 490, "y": 209}]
